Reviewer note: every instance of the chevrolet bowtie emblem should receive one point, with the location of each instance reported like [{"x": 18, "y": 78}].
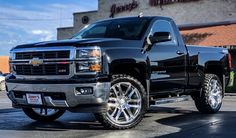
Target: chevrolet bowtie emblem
[{"x": 36, "y": 61}]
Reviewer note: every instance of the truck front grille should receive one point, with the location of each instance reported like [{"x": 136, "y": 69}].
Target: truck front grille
[
  {"x": 46, "y": 69},
  {"x": 43, "y": 55}
]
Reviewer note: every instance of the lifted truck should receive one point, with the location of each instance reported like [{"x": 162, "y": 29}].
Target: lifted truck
[{"x": 116, "y": 69}]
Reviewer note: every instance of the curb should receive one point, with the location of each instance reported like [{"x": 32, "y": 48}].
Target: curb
[{"x": 230, "y": 94}]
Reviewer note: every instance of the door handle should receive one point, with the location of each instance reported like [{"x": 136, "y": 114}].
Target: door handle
[{"x": 179, "y": 52}]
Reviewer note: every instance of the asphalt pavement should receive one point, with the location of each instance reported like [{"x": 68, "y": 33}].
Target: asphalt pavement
[{"x": 167, "y": 120}]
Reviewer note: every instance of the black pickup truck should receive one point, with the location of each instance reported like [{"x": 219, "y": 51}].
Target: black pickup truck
[{"x": 116, "y": 69}]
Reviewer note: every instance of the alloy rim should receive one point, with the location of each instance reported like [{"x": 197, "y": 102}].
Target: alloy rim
[
  {"x": 45, "y": 111},
  {"x": 124, "y": 104},
  {"x": 215, "y": 94}
]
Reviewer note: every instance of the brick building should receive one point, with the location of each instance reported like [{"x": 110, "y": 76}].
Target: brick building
[
  {"x": 223, "y": 35},
  {"x": 4, "y": 65},
  {"x": 202, "y": 22},
  {"x": 182, "y": 11}
]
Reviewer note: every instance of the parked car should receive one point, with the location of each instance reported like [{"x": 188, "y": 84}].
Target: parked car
[
  {"x": 2, "y": 83},
  {"x": 116, "y": 69}
]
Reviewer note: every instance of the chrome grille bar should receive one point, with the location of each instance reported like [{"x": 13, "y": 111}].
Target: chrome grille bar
[{"x": 52, "y": 63}]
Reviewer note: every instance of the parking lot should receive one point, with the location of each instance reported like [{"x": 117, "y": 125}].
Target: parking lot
[{"x": 168, "y": 120}]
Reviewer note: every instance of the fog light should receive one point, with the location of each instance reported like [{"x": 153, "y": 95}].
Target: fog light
[{"x": 83, "y": 90}]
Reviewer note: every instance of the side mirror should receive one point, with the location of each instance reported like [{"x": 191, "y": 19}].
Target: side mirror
[{"x": 159, "y": 37}]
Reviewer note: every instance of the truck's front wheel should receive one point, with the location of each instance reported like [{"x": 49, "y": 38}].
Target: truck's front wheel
[
  {"x": 210, "y": 100},
  {"x": 126, "y": 105},
  {"x": 43, "y": 114}
]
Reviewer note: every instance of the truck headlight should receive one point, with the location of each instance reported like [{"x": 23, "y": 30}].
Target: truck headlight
[
  {"x": 88, "y": 60},
  {"x": 93, "y": 52},
  {"x": 88, "y": 66},
  {"x": 12, "y": 57}
]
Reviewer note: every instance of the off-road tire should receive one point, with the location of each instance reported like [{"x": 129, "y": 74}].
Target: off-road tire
[
  {"x": 102, "y": 117},
  {"x": 35, "y": 116},
  {"x": 202, "y": 100}
]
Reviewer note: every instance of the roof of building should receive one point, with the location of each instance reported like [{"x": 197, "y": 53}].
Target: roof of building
[
  {"x": 223, "y": 35},
  {"x": 84, "y": 12}
]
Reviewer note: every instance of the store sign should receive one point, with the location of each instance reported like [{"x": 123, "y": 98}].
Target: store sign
[
  {"x": 115, "y": 9},
  {"x": 166, "y": 2}
]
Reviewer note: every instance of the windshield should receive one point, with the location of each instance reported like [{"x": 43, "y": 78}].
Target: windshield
[{"x": 131, "y": 29}]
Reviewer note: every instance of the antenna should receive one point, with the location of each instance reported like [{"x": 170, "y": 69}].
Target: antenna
[{"x": 140, "y": 15}]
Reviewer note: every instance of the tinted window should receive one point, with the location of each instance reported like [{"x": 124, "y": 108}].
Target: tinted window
[
  {"x": 95, "y": 31},
  {"x": 131, "y": 29}
]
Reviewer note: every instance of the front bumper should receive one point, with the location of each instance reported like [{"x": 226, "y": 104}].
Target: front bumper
[{"x": 60, "y": 95}]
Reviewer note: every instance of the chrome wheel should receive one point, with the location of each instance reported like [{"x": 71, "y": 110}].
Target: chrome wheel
[
  {"x": 209, "y": 100},
  {"x": 215, "y": 94},
  {"x": 45, "y": 111},
  {"x": 124, "y": 104}
]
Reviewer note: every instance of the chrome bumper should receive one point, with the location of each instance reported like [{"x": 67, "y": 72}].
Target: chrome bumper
[{"x": 99, "y": 96}]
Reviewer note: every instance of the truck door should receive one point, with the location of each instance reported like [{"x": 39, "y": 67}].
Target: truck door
[{"x": 168, "y": 61}]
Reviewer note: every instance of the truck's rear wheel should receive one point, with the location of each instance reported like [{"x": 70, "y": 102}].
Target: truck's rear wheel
[
  {"x": 210, "y": 100},
  {"x": 126, "y": 105},
  {"x": 43, "y": 114}
]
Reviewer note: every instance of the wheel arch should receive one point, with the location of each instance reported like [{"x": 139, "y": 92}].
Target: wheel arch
[
  {"x": 137, "y": 70},
  {"x": 214, "y": 67},
  {"x": 217, "y": 68}
]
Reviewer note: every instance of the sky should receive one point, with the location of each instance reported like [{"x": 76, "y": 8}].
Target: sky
[{"x": 28, "y": 21}]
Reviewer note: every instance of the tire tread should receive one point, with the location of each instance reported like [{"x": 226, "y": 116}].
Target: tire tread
[{"x": 201, "y": 100}]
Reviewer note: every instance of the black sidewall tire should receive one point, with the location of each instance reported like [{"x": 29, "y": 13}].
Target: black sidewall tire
[
  {"x": 35, "y": 116},
  {"x": 102, "y": 117},
  {"x": 201, "y": 101}
]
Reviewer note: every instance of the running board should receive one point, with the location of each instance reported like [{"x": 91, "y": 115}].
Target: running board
[{"x": 171, "y": 100}]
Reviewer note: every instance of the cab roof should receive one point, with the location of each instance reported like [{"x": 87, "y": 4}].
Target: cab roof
[{"x": 136, "y": 17}]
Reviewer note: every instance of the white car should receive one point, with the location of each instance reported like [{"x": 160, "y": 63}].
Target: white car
[{"x": 2, "y": 83}]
